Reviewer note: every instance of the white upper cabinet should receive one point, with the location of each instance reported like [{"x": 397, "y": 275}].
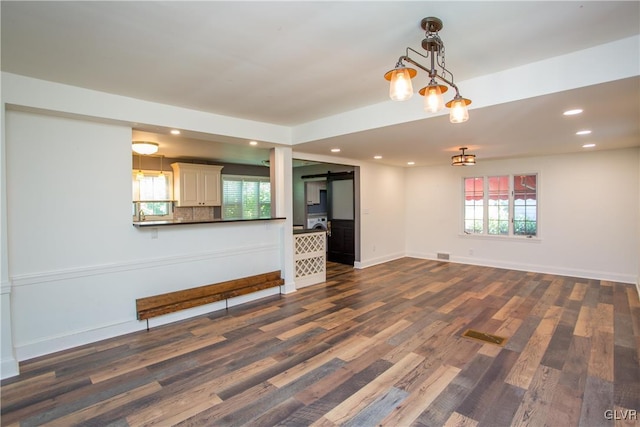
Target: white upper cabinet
[
  {"x": 313, "y": 191},
  {"x": 196, "y": 185}
]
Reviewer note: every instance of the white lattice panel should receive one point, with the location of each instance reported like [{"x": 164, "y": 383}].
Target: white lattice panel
[
  {"x": 309, "y": 266},
  {"x": 309, "y": 243},
  {"x": 310, "y": 258}
]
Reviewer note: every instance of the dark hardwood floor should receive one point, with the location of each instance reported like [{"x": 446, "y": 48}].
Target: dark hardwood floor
[{"x": 378, "y": 346}]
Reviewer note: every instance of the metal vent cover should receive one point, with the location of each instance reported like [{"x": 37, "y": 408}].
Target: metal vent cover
[{"x": 484, "y": 337}]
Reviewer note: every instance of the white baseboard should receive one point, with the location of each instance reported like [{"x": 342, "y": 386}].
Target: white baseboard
[
  {"x": 571, "y": 272},
  {"x": 312, "y": 279},
  {"x": 50, "y": 345},
  {"x": 379, "y": 260},
  {"x": 9, "y": 368},
  {"x": 289, "y": 288}
]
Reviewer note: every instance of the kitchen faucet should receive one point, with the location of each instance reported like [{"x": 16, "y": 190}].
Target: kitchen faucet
[{"x": 141, "y": 216}]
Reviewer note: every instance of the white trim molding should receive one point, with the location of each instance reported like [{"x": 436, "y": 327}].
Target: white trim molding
[
  {"x": 5, "y": 287},
  {"x": 74, "y": 273}
]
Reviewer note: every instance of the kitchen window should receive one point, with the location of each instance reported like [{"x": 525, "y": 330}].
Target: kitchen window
[
  {"x": 152, "y": 195},
  {"x": 504, "y": 205},
  {"x": 246, "y": 197}
]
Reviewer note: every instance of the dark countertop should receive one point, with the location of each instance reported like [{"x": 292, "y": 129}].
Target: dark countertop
[
  {"x": 214, "y": 221},
  {"x": 303, "y": 231}
]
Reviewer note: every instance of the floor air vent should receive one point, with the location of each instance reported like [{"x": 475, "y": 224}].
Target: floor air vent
[
  {"x": 484, "y": 337},
  {"x": 443, "y": 256}
]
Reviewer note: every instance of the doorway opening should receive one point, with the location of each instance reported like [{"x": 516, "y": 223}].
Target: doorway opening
[{"x": 326, "y": 197}]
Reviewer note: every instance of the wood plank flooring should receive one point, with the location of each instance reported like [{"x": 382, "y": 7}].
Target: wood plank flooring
[{"x": 379, "y": 346}]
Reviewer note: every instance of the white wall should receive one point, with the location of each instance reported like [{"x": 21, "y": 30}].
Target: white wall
[
  {"x": 382, "y": 213},
  {"x": 588, "y": 216},
  {"x": 76, "y": 262}
]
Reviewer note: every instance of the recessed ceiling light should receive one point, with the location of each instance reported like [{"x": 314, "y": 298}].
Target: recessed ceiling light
[
  {"x": 377, "y": 157},
  {"x": 588, "y": 145},
  {"x": 583, "y": 132},
  {"x": 175, "y": 132},
  {"x": 411, "y": 163},
  {"x": 253, "y": 142},
  {"x": 335, "y": 150},
  {"x": 572, "y": 112}
]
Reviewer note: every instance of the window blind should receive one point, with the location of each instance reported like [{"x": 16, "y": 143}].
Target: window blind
[{"x": 246, "y": 197}]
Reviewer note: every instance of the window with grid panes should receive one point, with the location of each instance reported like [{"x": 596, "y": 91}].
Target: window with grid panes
[
  {"x": 474, "y": 205},
  {"x": 246, "y": 197},
  {"x": 152, "y": 194},
  {"x": 504, "y": 205}
]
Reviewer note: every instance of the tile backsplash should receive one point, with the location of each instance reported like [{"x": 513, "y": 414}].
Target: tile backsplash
[{"x": 206, "y": 213}]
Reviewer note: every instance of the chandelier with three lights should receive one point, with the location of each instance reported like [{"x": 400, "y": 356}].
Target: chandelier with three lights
[{"x": 401, "y": 89}]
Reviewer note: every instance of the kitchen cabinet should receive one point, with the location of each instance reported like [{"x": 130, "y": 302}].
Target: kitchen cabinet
[
  {"x": 313, "y": 191},
  {"x": 196, "y": 185}
]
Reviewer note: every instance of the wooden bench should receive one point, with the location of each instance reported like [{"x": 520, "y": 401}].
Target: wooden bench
[{"x": 188, "y": 298}]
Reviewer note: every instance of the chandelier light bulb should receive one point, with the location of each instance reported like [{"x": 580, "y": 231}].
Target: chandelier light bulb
[
  {"x": 400, "y": 87},
  {"x": 459, "y": 112},
  {"x": 433, "y": 100}
]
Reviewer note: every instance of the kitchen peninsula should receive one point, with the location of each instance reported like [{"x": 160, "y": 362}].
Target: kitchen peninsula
[{"x": 153, "y": 223}]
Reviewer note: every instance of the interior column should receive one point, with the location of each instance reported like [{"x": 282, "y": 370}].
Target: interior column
[
  {"x": 8, "y": 362},
  {"x": 281, "y": 174}
]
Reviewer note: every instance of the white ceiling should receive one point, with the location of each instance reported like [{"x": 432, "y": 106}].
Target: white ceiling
[{"x": 291, "y": 63}]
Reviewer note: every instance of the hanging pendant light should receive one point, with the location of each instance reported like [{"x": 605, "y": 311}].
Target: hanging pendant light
[
  {"x": 139, "y": 175},
  {"x": 162, "y": 168},
  {"x": 463, "y": 159}
]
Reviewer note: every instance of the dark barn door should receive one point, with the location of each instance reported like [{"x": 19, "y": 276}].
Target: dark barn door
[{"x": 340, "y": 218}]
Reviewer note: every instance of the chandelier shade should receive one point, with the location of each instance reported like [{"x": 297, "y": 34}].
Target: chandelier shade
[
  {"x": 401, "y": 89},
  {"x": 463, "y": 159},
  {"x": 144, "y": 147}
]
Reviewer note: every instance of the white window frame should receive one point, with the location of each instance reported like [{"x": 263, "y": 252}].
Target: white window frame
[
  {"x": 511, "y": 235},
  {"x": 135, "y": 184},
  {"x": 249, "y": 178}
]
